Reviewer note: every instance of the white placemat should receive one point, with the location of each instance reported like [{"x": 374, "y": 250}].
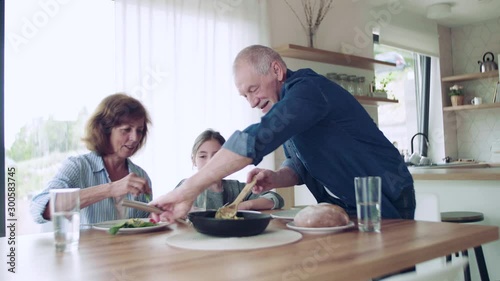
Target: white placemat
[{"x": 198, "y": 241}]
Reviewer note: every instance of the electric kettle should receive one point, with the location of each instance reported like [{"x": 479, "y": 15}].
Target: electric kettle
[{"x": 487, "y": 64}]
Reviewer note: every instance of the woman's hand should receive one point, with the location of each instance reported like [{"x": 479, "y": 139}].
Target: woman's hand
[{"x": 130, "y": 184}]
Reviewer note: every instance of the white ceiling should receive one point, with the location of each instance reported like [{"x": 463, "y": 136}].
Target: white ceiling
[{"x": 464, "y": 12}]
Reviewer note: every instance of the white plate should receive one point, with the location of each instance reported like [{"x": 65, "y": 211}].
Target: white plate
[
  {"x": 286, "y": 214},
  {"x": 106, "y": 225},
  {"x": 250, "y": 211},
  {"x": 243, "y": 211},
  {"x": 319, "y": 230}
]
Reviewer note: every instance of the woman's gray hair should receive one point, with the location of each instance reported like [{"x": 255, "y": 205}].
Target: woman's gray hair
[{"x": 260, "y": 57}]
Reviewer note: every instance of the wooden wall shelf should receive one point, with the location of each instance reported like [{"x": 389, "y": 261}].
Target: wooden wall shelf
[
  {"x": 313, "y": 54},
  {"x": 472, "y": 107},
  {"x": 374, "y": 101},
  {"x": 473, "y": 76}
]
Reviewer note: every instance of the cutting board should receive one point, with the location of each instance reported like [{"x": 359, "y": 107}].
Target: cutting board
[{"x": 198, "y": 241}]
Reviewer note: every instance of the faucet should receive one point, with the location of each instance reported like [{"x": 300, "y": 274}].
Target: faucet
[{"x": 426, "y": 140}]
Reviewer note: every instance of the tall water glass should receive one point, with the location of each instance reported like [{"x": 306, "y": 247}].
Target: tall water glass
[
  {"x": 65, "y": 212},
  {"x": 201, "y": 202},
  {"x": 360, "y": 86},
  {"x": 368, "y": 190}
]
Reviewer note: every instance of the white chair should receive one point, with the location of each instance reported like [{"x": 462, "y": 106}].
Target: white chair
[
  {"x": 428, "y": 210},
  {"x": 427, "y": 207},
  {"x": 452, "y": 271}
]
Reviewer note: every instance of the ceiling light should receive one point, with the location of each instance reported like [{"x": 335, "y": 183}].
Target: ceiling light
[{"x": 439, "y": 11}]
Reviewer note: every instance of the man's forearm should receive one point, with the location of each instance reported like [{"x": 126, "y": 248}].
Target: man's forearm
[
  {"x": 287, "y": 177},
  {"x": 224, "y": 163}
]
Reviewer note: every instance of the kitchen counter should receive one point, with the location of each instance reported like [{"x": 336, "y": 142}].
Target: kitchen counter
[{"x": 491, "y": 172}]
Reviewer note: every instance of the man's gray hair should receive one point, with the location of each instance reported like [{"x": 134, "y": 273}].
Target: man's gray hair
[{"x": 259, "y": 56}]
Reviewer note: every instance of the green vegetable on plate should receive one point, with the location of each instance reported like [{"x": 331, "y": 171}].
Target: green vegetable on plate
[{"x": 131, "y": 223}]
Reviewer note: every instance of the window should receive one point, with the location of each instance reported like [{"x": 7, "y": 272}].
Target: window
[
  {"x": 59, "y": 63},
  {"x": 397, "y": 121},
  {"x": 62, "y": 62}
]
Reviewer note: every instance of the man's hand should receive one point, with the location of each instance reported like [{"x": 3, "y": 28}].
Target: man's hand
[
  {"x": 175, "y": 204},
  {"x": 266, "y": 180}
]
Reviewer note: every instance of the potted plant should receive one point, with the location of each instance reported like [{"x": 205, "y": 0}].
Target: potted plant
[
  {"x": 383, "y": 91},
  {"x": 314, "y": 14},
  {"x": 456, "y": 95}
]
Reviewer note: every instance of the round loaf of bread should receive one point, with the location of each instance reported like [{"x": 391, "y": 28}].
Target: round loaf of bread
[{"x": 321, "y": 215}]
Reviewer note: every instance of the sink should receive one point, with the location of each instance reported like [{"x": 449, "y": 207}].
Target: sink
[{"x": 453, "y": 165}]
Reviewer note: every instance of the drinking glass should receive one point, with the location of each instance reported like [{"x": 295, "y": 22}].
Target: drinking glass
[
  {"x": 65, "y": 213},
  {"x": 201, "y": 202},
  {"x": 360, "y": 86},
  {"x": 368, "y": 190},
  {"x": 351, "y": 86}
]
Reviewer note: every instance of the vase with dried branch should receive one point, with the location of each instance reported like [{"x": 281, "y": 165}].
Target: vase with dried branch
[{"x": 314, "y": 12}]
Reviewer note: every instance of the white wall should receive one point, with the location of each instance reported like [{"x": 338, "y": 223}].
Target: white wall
[
  {"x": 410, "y": 32},
  {"x": 344, "y": 26},
  {"x": 348, "y": 28},
  {"x": 477, "y": 130},
  {"x": 469, "y": 134}
]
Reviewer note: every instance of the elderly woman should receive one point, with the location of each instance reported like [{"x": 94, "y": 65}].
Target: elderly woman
[{"x": 105, "y": 176}]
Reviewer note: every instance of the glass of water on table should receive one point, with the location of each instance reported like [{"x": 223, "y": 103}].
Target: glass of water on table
[
  {"x": 65, "y": 213},
  {"x": 368, "y": 191}
]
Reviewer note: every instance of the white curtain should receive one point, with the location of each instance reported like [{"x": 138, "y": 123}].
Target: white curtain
[{"x": 176, "y": 57}]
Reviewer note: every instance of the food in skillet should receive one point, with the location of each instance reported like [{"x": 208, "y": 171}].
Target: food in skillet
[
  {"x": 321, "y": 215},
  {"x": 228, "y": 217},
  {"x": 131, "y": 223},
  {"x": 229, "y": 212}
]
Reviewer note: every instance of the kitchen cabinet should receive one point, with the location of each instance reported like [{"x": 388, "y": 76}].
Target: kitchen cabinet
[
  {"x": 318, "y": 55},
  {"x": 449, "y": 80}
]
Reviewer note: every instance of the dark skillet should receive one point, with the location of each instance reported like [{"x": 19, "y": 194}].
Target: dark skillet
[{"x": 251, "y": 224}]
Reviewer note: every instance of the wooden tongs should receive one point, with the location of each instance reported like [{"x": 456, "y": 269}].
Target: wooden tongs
[
  {"x": 229, "y": 211},
  {"x": 148, "y": 208},
  {"x": 141, "y": 206}
]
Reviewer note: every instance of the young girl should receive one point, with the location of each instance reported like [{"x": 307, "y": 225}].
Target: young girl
[{"x": 225, "y": 191}]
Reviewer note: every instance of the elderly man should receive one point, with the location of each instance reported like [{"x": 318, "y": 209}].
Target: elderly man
[{"x": 327, "y": 135}]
